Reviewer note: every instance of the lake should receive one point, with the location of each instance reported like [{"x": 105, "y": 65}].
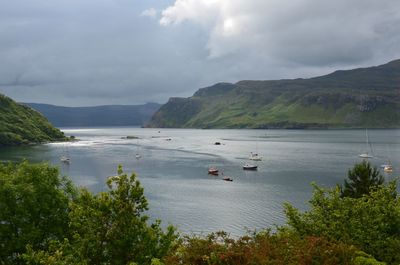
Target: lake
[{"x": 174, "y": 163}]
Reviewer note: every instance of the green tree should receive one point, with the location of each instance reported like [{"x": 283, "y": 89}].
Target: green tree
[
  {"x": 362, "y": 178},
  {"x": 371, "y": 222},
  {"x": 110, "y": 228},
  {"x": 33, "y": 208}
]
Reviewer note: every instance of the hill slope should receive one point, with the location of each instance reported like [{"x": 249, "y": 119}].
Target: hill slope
[
  {"x": 112, "y": 115},
  {"x": 365, "y": 97},
  {"x": 20, "y": 124}
]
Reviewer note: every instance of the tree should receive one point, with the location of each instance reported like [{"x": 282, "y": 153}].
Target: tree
[
  {"x": 33, "y": 208},
  {"x": 371, "y": 222},
  {"x": 110, "y": 228},
  {"x": 362, "y": 178}
]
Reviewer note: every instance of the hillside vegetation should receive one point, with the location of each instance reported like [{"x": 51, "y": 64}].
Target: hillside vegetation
[
  {"x": 359, "y": 98},
  {"x": 20, "y": 124}
]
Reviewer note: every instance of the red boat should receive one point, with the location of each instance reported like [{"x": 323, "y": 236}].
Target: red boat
[{"x": 213, "y": 171}]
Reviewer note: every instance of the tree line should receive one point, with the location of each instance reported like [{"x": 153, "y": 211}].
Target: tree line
[{"x": 46, "y": 219}]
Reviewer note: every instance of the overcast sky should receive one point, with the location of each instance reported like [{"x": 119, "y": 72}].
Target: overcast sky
[{"x": 95, "y": 52}]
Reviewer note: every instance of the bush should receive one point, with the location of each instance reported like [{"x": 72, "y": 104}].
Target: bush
[
  {"x": 371, "y": 222},
  {"x": 283, "y": 247}
]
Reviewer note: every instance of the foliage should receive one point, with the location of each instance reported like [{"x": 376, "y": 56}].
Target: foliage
[
  {"x": 362, "y": 179},
  {"x": 371, "y": 222},
  {"x": 356, "y": 98},
  {"x": 283, "y": 247},
  {"x": 34, "y": 208},
  {"x": 20, "y": 124},
  {"x": 109, "y": 228},
  {"x": 45, "y": 220}
]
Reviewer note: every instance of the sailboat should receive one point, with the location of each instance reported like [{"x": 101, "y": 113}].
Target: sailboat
[
  {"x": 138, "y": 155},
  {"x": 255, "y": 156},
  {"x": 368, "y": 145},
  {"x": 65, "y": 158}
]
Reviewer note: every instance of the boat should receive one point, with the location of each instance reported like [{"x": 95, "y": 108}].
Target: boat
[
  {"x": 369, "y": 147},
  {"x": 138, "y": 155},
  {"x": 226, "y": 178},
  {"x": 388, "y": 168},
  {"x": 255, "y": 157},
  {"x": 213, "y": 171},
  {"x": 248, "y": 166},
  {"x": 65, "y": 159}
]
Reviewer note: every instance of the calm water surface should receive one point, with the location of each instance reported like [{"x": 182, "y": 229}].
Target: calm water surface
[{"x": 174, "y": 172}]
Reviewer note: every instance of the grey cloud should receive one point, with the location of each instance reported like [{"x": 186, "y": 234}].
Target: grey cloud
[{"x": 74, "y": 52}]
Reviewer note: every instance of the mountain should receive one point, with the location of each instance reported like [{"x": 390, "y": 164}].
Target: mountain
[
  {"x": 112, "y": 115},
  {"x": 359, "y": 98},
  {"x": 20, "y": 124}
]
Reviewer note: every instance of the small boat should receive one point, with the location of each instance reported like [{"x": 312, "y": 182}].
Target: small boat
[
  {"x": 388, "y": 168},
  {"x": 138, "y": 156},
  {"x": 255, "y": 157},
  {"x": 366, "y": 155},
  {"x": 213, "y": 171},
  {"x": 65, "y": 159},
  {"x": 368, "y": 147},
  {"x": 227, "y": 178},
  {"x": 250, "y": 167},
  {"x": 217, "y": 143}
]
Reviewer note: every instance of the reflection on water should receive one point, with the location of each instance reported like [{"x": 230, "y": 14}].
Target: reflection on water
[{"x": 174, "y": 162}]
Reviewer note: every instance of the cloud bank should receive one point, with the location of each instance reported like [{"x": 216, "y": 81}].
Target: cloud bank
[
  {"x": 92, "y": 52},
  {"x": 307, "y": 32}
]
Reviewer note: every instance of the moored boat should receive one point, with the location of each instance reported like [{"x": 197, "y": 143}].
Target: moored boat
[
  {"x": 227, "y": 178},
  {"x": 213, "y": 171},
  {"x": 255, "y": 157},
  {"x": 248, "y": 166}
]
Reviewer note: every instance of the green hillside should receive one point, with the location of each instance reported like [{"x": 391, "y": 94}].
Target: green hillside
[
  {"x": 359, "y": 98},
  {"x": 20, "y": 124}
]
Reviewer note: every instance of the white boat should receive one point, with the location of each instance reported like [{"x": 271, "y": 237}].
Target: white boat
[
  {"x": 249, "y": 166},
  {"x": 255, "y": 157},
  {"x": 388, "y": 168},
  {"x": 367, "y": 155},
  {"x": 138, "y": 156},
  {"x": 65, "y": 159}
]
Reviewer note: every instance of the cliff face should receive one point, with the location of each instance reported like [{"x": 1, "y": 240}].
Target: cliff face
[
  {"x": 20, "y": 124},
  {"x": 365, "y": 97}
]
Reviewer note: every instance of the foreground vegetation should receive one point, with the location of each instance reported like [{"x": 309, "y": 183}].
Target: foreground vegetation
[
  {"x": 21, "y": 125},
  {"x": 45, "y": 219}
]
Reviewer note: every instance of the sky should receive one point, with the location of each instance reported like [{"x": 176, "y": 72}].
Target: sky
[{"x": 100, "y": 52}]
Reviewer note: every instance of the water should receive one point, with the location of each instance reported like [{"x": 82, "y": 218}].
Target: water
[{"x": 174, "y": 172}]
